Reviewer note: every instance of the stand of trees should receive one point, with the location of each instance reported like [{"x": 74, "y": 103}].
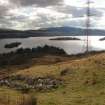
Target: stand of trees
[{"x": 22, "y": 55}]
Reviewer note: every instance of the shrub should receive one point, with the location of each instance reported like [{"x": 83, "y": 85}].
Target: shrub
[
  {"x": 25, "y": 90},
  {"x": 64, "y": 72}
]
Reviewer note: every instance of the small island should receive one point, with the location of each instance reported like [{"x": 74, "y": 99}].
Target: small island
[
  {"x": 65, "y": 38},
  {"x": 12, "y": 45},
  {"x": 102, "y": 39}
]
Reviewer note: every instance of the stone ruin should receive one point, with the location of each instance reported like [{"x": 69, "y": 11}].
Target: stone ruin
[{"x": 20, "y": 82}]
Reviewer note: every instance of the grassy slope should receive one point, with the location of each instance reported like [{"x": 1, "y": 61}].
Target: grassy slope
[{"x": 84, "y": 83}]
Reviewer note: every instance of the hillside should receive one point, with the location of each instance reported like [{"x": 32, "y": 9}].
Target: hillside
[
  {"x": 83, "y": 81},
  {"x": 54, "y": 31}
]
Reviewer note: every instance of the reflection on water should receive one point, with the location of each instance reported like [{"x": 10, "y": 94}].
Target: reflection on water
[{"x": 71, "y": 47}]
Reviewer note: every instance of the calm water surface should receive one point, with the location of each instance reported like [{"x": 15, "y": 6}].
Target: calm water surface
[{"x": 71, "y": 47}]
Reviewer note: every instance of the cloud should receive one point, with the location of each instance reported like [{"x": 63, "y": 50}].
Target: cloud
[
  {"x": 43, "y": 17},
  {"x": 39, "y": 3},
  {"x": 3, "y": 10},
  {"x": 33, "y": 14},
  {"x": 78, "y": 11}
]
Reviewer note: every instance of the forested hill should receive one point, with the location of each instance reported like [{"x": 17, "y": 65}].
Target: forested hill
[{"x": 56, "y": 31}]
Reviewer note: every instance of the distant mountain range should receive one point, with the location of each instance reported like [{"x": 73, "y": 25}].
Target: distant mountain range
[{"x": 56, "y": 31}]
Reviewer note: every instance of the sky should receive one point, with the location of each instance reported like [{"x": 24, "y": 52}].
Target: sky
[{"x": 35, "y": 14}]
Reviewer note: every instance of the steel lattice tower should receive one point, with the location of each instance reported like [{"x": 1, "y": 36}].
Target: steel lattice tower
[{"x": 87, "y": 25}]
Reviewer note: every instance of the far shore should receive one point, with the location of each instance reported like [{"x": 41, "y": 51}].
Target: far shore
[
  {"x": 102, "y": 39},
  {"x": 12, "y": 45},
  {"x": 65, "y": 38}
]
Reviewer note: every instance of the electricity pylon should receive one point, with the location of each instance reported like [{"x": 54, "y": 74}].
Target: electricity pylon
[
  {"x": 88, "y": 16},
  {"x": 87, "y": 25}
]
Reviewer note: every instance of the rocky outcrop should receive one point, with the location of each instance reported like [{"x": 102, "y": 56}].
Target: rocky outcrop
[{"x": 40, "y": 83}]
